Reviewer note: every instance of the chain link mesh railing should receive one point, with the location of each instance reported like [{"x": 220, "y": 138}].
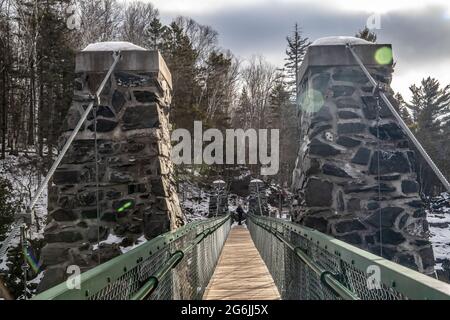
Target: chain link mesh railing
[
  {"x": 308, "y": 265},
  {"x": 175, "y": 265}
]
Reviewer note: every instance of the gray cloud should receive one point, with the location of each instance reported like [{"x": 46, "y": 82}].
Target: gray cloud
[{"x": 419, "y": 37}]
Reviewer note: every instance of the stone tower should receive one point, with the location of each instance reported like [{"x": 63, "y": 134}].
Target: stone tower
[
  {"x": 339, "y": 186},
  {"x": 137, "y": 194}
]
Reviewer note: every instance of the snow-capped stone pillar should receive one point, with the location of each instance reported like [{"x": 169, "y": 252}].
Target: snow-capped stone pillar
[
  {"x": 338, "y": 185},
  {"x": 137, "y": 194}
]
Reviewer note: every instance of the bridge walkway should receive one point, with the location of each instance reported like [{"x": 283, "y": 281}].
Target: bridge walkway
[{"x": 241, "y": 274}]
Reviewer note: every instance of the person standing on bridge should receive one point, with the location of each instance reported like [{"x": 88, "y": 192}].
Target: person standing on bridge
[{"x": 240, "y": 214}]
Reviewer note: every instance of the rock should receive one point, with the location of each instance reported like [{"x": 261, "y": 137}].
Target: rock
[
  {"x": 370, "y": 107},
  {"x": 352, "y": 238},
  {"x": 416, "y": 204},
  {"x": 427, "y": 257},
  {"x": 347, "y": 115},
  {"x": 109, "y": 217},
  {"x": 354, "y": 204},
  {"x": 140, "y": 117},
  {"x": 105, "y": 111},
  {"x": 106, "y": 252},
  {"x": 66, "y": 177},
  {"x": 145, "y": 96},
  {"x": 347, "y": 103},
  {"x": 54, "y": 253},
  {"x": 349, "y": 226},
  {"x": 348, "y": 142},
  {"x": 94, "y": 233},
  {"x": 318, "y": 223},
  {"x": 351, "y": 127},
  {"x": 390, "y": 162},
  {"x": 388, "y": 216},
  {"x": 419, "y": 213},
  {"x": 402, "y": 221},
  {"x": 323, "y": 115},
  {"x": 52, "y": 277},
  {"x": 318, "y": 129},
  {"x": 319, "y": 148},
  {"x": 373, "y": 205},
  {"x": 118, "y": 100},
  {"x": 63, "y": 215},
  {"x": 125, "y": 79},
  {"x": 391, "y": 237},
  {"x": 63, "y": 236},
  {"x": 407, "y": 260},
  {"x": 340, "y": 201},
  {"x": 410, "y": 186},
  {"x": 89, "y": 213},
  {"x": 318, "y": 193},
  {"x": 353, "y": 187},
  {"x": 104, "y": 125},
  {"x": 388, "y": 131},
  {"x": 383, "y": 251},
  {"x": 362, "y": 156},
  {"x": 332, "y": 170},
  {"x": 320, "y": 82},
  {"x": 342, "y": 91}
]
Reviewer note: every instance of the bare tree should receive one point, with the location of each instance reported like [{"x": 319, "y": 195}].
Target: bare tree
[
  {"x": 136, "y": 21},
  {"x": 203, "y": 38},
  {"x": 258, "y": 79},
  {"x": 100, "y": 21}
]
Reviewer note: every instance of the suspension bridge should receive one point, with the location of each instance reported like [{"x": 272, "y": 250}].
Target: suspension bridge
[{"x": 268, "y": 257}]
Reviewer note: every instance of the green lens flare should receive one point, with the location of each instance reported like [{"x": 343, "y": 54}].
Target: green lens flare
[
  {"x": 128, "y": 204},
  {"x": 311, "y": 101},
  {"x": 125, "y": 206},
  {"x": 383, "y": 55}
]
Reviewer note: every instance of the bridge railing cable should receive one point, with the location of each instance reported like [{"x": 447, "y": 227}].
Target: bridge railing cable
[
  {"x": 175, "y": 265},
  {"x": 309, "y": 265}
]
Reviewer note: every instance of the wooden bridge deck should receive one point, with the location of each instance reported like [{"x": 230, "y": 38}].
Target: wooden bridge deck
[{"x": 241, "y": 274}]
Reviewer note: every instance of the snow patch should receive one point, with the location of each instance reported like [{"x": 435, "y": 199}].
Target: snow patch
[
  {"x": 339, "y": 40},
  {"x": 113, "y": 46}
]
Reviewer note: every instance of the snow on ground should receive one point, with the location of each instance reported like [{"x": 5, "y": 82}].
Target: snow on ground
[
  {"x": 194, "y": 201},
  {"x": 439, "y": 221},
  {"x": 22, "y": 173}
]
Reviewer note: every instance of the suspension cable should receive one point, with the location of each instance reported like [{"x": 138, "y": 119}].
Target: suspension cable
[{"x": 403, "y": 125}]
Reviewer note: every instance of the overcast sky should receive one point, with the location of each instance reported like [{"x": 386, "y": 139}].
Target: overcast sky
[{"x": 418, "y": 30}]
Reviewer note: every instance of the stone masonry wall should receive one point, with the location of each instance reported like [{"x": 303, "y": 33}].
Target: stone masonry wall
[
  {"x": 137, "y": 193},
  {"x": 336, "y": 179}
]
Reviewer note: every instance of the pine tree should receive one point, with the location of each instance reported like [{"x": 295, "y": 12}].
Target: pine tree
[
  {"x": 402, "y": 109},
  {"x": 366, "y": 34},
  {"x": 155, "y": 34},
  {"x": 430, "y": 105},
  {"x": 295, "y": 52}
]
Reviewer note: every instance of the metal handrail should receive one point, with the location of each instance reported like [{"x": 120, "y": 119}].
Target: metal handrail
[
  {"x": 410, "y": 283},
  {"x": 97, "y": 278},
  {"x": 151, "y": 285},
  {"x": 326, "y": 277},
  {"x": 403, "y": 125}
]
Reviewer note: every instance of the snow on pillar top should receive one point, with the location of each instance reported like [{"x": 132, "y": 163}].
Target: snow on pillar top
[
  {"x": 98, "y": 57},
  {"x": 333, "y": 51}
]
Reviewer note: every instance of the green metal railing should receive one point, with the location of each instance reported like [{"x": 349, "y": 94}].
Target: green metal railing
[
  {"x": 174, "y": 265},
  {"x": 309, "y": 265}
]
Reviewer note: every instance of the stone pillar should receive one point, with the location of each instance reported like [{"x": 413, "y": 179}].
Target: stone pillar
[
  {"x": 137, "y": 194},
  {"x": 218, "y": 200},
  {"x": 255, "y": 206},
  {"x": 336, "y": 179}
]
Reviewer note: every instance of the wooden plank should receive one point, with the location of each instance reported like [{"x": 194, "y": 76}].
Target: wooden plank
[{"x": 241, "y": 274}]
